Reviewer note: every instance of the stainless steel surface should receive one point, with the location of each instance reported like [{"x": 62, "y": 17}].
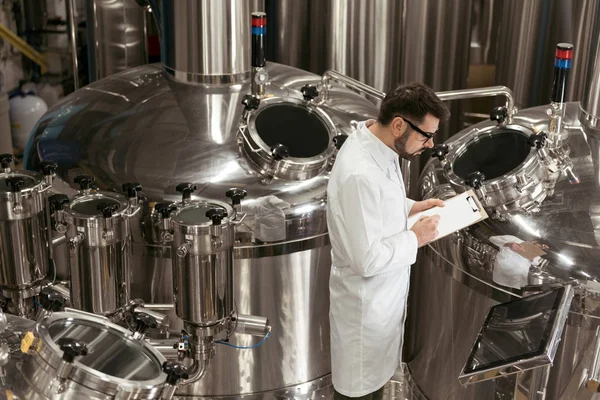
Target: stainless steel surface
[
  {"x": 99, "y": 253},
  {"x": 482, "y": 92},
  {"x": 365, "y": 41},
  {"x": 194, "y": 31},
  {"x": 23, "y": 240},
  {"x": 203, "y": 275},
  {"x": 72, "y": 27},
  {"x": 527, "y": 35},
  {"x": 116, "y": 36},
  {"x": 115, "y": 364},
  {"x": 282, "y": 253},
  {"x": 457, "y": 278},
  {"x": 295, "y": 33},
  {"x": 518, "y": 336}
]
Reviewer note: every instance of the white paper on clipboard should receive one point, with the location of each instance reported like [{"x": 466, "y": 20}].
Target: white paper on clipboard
[{"x": 459, "y": 212}]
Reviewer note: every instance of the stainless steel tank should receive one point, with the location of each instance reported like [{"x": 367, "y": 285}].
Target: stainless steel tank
[
  {"x": 75, "y": 355},
  {"x": 542, "y": 234},
  {"x": 533, "y": 28},
  {"x": 155, "y": 126},
  {"x": 116, "y": 36},
  {"x": 23, "y": 236},
  {"x": 96, "y": 226}
]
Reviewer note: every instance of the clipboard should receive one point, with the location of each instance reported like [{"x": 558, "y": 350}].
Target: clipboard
[{"x": 460, "y": 211}]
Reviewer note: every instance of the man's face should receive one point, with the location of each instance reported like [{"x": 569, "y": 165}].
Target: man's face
[{"x": 411, "y": 143}]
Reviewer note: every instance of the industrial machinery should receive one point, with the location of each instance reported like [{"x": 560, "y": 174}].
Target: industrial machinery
[
  {"x": 23, "y": 235},
  {"x": 217, "y": 116},
  {"x": 537, "y": 176}
]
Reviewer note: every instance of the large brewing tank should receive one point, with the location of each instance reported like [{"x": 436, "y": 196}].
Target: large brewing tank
[
  {"x": 185, "y": 122},
  {"x": 542, "y": 234},
  {"x": 533, "y": 27}
]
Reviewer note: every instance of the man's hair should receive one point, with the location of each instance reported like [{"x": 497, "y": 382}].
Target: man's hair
[{"x": 413, "y": 101}]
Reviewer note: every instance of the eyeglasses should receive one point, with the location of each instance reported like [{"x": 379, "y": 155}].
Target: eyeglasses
[{"x": 428, "y": 135}]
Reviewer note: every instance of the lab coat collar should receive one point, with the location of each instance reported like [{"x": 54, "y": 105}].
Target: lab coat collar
[{"x": 382, "y": 154}]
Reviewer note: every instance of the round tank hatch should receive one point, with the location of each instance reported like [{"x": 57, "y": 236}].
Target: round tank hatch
[
  {"x": 495, "y": 155},
  {"x": 195, "y": 214},
  {"x": 296, "y": 127},
  {"x": 287, "y": 138},
  {"x": 91, "y": 205},
  {"x": 28, "y": 181}
]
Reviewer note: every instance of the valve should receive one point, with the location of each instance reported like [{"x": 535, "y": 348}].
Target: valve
[
  {"x": 339, "y": 140},
  {"x": 51, "y": 301},
  {"x": 186, "y": 189},
  {"x": 131, "y": 188},
  {"x": 143, "y": 322},
  {"x": 107, "y": 209},
  {"x": 439, "y": 151},
  {"x": 279, "y": 152},
  {"x": 250, "y": 102},
  {"x": 15, "y": 183},
  {"x": 85, "y": 182},
  {"x": 72, "y": 348},
  {"x": 48, "y": 168},
  {"x": 57, "y": 201},
  {"x": 236, "y": 195},
  {"x": 309, "y": 92},
  {"x": 537, "y": 140},
  {"x": 499, "y": 114},
  {"x": 175, "y": 372},
  {"x": 475, "y": 179},
  {"x": 6, "y": 160},
  {"x": 165, "y": 209},
  {"x": 216, "y": 215}
]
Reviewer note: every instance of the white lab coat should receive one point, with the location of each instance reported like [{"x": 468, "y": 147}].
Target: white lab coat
[{"x": 372, "y": 251}]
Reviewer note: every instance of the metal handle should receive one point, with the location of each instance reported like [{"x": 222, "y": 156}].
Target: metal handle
[{"x": 349, "y": 82}]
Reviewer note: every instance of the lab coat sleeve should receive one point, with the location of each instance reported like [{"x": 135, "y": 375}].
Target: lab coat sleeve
[
  {"x": 409, "y": 205},
  {"x": 369, "y": 252}
]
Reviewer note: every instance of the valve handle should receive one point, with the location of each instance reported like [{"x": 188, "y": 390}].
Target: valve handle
[
  {"x": 475, "y": 179},
  {"x": 236, "y": 195},
  {"x": 439, "y": 151},
  {"x": 279, "y": 152},
  {"x": 84, "y": 181},
  {"x": 165, "y": 209},
  {"x": 186, "y": 189},
  {"x": 175, "y": 372},
  {"x": 216, "y": 215},
  {"x": 108, "y": 209},
  {"x": 131, "y": 188},
  {"x": 15, "y": 183},
  {"x": 250, "y": 102},
  {"x": 6, "y": 159},
  {"x": 309, "y": 92},
  {"x": 72, "y": 348},
  {"x": 339, "y": 140}
]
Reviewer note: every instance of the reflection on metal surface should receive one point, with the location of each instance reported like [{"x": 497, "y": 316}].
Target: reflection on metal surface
[
  {"x": 517, "y": 336},
  {"x": 116, "y": 37}
]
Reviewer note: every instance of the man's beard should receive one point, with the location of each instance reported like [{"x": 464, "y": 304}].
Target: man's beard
[{"x": 400, "y": 146}]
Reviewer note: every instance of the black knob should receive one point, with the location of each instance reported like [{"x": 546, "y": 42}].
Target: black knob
[
  {"x": 108, "y": 209},
  {"x": 279, "y": 152},
  {"x": 47, "y": 167},
  {"x": 537, "y": 140},
  {"x": 15, "y": 183},
  {"x": 85, "y": 182},
  {"x": 309, "y": 92},
  {"x": 475, "y": 179},
  {"x": 216, "y": 215},
  {"x": 499, "y": 114},
  {"x": 175, "y": 372},
  {"x": 143, "y": 322},
  {"x": 72, "y": 348},
  {"x": 51, "y": 300},
  {"x": 186, "y": 189},
  {"x": 250, "y": 102},
  {"x": 339, "y": 140},
  {"x": 57, "y": 201},
  {"x": 165, "y": 209},
  {"x": 6, "y": 159},
  {"x": 131, "y": 188},
  {"x": 439, "y": 151},
  {"x": 236, "y": 195}
]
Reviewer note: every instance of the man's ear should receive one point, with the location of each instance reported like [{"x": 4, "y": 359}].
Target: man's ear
[{"x": 398, "y": 126}]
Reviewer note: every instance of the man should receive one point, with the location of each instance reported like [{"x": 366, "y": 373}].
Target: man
[{"x": 372, "y": 249}]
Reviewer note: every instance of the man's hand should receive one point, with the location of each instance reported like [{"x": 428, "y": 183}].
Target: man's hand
[
  {"x": 425, "y": 205},
  {"x": 426, "y": 229}
]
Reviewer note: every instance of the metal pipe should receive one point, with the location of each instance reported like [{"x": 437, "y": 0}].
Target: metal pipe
[
  {"x": 73, "y": 41},
  {"x": 196, "y": 372},
  {"x": 59, "y": 240},
  {"x": 482, "y": 92},
  {"x": 349, "y": 82},
  {"x": 593, "y": 378}
]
